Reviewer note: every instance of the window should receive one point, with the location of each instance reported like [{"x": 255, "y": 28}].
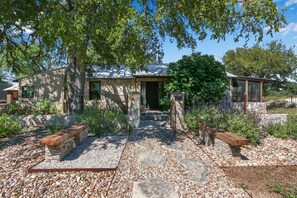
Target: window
[
  {"x": 27, "y": 91},
  {"x": 254, "y": 91},
  {"x": 238, "y": 90},
  {"x": 95, "y": 90}
]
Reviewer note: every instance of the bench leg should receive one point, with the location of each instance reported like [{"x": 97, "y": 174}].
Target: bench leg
[
  {"x": 81, "y": 136},
  {"x": 235, "y": 150},
  {"x": 57, "y": 153}
]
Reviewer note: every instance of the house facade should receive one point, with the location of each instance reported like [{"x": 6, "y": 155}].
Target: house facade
[
  {"x": 109, "y": 87},
  {"x": 105, "y": 86}
]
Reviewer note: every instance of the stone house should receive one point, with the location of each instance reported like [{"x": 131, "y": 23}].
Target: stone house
[
  {"x": 109, "y": 87},
  {"x": 104, "y": 86}
]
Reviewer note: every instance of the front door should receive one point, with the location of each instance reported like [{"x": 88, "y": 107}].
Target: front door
[{"x": 152, "y": 95}]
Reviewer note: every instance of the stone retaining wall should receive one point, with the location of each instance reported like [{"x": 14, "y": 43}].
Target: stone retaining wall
[
  {"x": 43, "y": 121},
  {"x": 257, "y": 107},
  {"x": 266, "y": 119}
]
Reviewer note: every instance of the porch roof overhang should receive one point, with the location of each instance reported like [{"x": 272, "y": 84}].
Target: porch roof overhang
[{"x": 264, "y": 80}]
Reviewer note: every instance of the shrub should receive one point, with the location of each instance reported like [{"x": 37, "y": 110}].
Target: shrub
[
  {"x": 287, "y": 130},
  {"x": 234, "y": 121},
  {"x": 103, "y": 121},
  {"x": 44, "y": 106},
  {"x": 9, "y": 126},
  {"x": 17, "y": 109},
  {"x": 54, "y": 128}
]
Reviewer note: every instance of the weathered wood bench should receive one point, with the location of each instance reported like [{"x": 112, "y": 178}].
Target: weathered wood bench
[
  {"x": 61, "y": 143},
  {"x": 235, "y": 142}
]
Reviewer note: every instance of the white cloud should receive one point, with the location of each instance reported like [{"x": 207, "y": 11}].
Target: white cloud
[
  {"x": 290, "y": 2},
  {"x": 291, "y": 27}
]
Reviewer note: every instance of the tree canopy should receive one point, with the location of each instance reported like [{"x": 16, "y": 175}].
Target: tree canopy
[
  {"x": 272, "y": 60},
  {"x": 81, "y": 33},
  {"x": 201, "y": 77}
]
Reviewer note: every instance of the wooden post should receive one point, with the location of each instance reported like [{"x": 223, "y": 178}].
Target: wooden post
[
  {"x": 244, "y": 103},
  {"x": 261, "y": 91},
  {"x": 247, "y": 90}
]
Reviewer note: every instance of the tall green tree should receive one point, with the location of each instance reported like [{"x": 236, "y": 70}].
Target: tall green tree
[
  {"x": 127, "y": 32},
  {"x": 272, "y": 60}
]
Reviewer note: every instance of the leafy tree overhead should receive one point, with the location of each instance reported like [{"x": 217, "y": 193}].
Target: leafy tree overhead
[
  {"x": 273, "y": 60},
  {"x": 120, "y": 32},
  {"x": 201, "y": 77}
]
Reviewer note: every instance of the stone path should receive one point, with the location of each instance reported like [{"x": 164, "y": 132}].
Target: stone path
[{"x": 158, "y": 163}]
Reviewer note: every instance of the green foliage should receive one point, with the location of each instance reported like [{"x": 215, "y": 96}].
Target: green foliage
[
  {"x": 103, "y": 121},
  {"x": 201, "y": 77},
  {"x": 273, "y": 60},
  {"x": 284, "y": 131},
  {"x": 41, "y": 106},
  {"x": 286, "y": 192},
  {"x": 9, "y": 126},
  {"x": 17, "y": 109},
  {"x": 234, "y": 121},
  {"x": 54, "y": 128},
  {"x": 44, "y": 106},
  {"x": 112, "y": 32}
]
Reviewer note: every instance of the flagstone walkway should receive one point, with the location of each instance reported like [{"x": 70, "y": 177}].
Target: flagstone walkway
[{"x": 158, "y": 163}]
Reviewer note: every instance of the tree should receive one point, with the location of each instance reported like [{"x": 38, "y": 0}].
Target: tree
[
  {"x": 120, "y": 32},
  {"x": 201, "y": 77},
  {"x": 272, "y": 60}
]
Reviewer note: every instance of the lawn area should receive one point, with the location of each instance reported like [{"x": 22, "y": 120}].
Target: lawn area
[{"x": 281, "y": 110}]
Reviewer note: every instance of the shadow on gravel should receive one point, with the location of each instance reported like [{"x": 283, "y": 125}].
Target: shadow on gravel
[{"x": 20, "y": 139}]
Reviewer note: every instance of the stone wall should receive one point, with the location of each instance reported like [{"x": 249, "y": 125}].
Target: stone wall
[
  {"x": 49, "y": 84},
  {"x": 43, "y": 121},
  {"x": 114, "y": 91},
  {"x": 257, "y": 107},
  {"x": 266, "y": 119}
]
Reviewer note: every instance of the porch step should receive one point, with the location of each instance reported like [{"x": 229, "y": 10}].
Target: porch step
[{"x": 157, "y": 116}]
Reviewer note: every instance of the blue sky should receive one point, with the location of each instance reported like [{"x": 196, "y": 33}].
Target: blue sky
[{"x": 287, "y": 34}]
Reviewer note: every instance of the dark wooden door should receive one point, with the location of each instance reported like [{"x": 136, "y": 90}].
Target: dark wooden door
[{"x": 152, "y": 94}]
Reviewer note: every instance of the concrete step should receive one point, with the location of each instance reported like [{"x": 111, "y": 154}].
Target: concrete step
[{"x": 157, "y": 116}]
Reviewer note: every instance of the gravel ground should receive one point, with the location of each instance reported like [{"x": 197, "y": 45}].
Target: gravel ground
[
  {"x": 271, "y": 152},
  {"x": 130, "y": 171},
  {"x": 94, "y": 152},
  {"x": 19, "y": 153}
]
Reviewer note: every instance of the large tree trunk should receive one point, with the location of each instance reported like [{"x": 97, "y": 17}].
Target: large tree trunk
[{"x": 75, "y": 76}]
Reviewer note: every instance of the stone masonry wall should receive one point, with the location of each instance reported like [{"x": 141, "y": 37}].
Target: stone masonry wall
[{"x": 43, "y": 121}]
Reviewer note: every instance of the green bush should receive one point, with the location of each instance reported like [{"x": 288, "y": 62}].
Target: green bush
[
  {"x": 234, "y": 121},
  {"x": 17, "y": 109},
  {"x": 284, "y": 131},
  {"x": 103, "y": 121},
  {"x": 41, "y": 106},
  {"x": 54, "y": 128},
  {"x": 44, "y": 106},
  {"x": 9, "y": 126}
]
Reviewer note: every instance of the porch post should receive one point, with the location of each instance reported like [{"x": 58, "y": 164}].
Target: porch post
[
  {"x": 261, "y": 91},
  {"x": 247, "y": 90}
]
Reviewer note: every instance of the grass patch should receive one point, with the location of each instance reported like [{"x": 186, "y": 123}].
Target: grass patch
[{"x": 281, "y": 110}]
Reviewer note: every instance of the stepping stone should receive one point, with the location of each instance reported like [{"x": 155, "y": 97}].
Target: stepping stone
[
  {"x": 174, "y": 147},
  {"x": 151, "y": 159},
  {"x": 154, "y": 188},
  {"x": 144, "y": 144},
  {"x": 196, "y": 170}
]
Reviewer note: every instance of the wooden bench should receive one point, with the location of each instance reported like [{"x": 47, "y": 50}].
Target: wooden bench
[
  {"x": 61, "y": 143},
  {"x": 235, "y": 142}
]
